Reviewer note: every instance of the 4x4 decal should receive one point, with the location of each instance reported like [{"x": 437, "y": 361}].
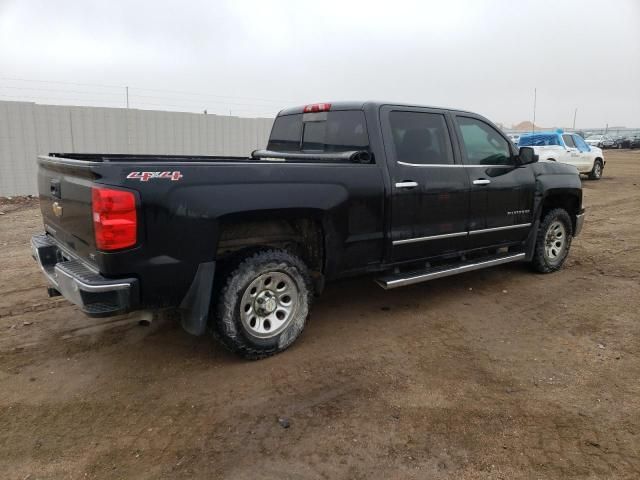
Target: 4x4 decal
[{"x": 146, "y": 176}]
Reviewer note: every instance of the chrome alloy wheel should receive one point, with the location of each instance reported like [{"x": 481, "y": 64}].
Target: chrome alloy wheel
[
  {"x": 555, "y": 241},
  {"x": 268, "y": 304}
]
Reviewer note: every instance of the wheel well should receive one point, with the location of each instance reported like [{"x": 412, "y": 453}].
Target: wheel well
[
  {"x": 301, "y": 236},
  {"x": 567, "y": 201},
  {"x": 598, "y": 159}
]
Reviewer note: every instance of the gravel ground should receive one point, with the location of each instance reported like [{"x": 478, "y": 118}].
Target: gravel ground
[{"x": 494, "y": 374}]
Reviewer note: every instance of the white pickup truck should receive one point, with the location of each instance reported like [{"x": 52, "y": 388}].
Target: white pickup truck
[{"x": 570, "y": 148}]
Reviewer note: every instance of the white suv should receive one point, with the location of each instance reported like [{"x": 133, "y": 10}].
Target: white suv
[{"x": 568, "y": 148}]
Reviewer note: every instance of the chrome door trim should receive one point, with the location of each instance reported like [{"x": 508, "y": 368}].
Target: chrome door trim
[
  {"x": 432, "y": 237},
  {"x": 458, "y": 234},
  {"x": 497, "y": 229}
]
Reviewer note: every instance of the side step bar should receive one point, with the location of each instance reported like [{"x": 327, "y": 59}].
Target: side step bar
[{"x": 409, "y": 278}]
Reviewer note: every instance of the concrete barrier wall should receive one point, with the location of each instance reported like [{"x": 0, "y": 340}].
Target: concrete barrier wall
[{"x": 28, "y": 130}]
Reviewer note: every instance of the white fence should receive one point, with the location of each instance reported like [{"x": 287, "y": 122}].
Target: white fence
[{"x": 28, "y": 130}]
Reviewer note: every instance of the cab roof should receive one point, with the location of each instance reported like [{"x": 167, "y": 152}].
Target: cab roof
[{"x": 361, "y": 105}]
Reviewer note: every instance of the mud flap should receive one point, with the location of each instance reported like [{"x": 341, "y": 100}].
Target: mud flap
[
  {"x": 194, "y": 309},
  {"x": 530, "y": 243}
]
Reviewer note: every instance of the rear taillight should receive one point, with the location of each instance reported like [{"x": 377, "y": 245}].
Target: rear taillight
[
  {"x": 115, "y": 222},
  {"x": 317, "y": 107}
]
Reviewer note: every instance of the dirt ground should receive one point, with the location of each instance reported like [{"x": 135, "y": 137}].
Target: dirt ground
[{"x": 496, "y": 374}]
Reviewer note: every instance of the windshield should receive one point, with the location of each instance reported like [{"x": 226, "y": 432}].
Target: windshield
[{"x": 539, "y": 140}]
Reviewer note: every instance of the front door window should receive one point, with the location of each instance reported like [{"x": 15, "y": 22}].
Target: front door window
[{"x": 483, "y": 144}]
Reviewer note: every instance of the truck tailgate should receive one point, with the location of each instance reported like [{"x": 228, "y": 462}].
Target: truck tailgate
[{"x": 65, "y": 201}]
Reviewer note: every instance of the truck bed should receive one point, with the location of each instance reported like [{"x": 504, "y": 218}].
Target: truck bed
[
  {"x": 185, "y": 202},
  {"x": 123, "y": 157},
  {"x": 256, "y": 156}
]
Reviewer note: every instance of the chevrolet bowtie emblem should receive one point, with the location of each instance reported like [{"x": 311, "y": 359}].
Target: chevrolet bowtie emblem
[{"x": 57, "y": 209}]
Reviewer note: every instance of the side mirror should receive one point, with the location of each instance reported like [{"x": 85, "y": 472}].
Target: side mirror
[{"x": 527, "y": 156}]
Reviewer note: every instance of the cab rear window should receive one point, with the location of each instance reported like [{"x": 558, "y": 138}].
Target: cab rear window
[{"x": 334, "y": 131}]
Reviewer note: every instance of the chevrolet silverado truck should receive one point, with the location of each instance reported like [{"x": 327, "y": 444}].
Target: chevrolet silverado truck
[
  {"x": 240, "y": 246},
  {"x": 569, "y": 148}
]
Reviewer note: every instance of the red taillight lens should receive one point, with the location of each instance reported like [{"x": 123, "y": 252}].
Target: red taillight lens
[
  {"x": 114, "y": 218},
  {"x": 317, "y": 107}
]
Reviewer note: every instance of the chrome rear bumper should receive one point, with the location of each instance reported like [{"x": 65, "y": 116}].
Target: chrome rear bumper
[{"x": 81, "y": 284}]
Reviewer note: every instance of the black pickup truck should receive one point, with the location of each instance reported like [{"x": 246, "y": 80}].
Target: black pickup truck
[{"x": 241, "y": 245}]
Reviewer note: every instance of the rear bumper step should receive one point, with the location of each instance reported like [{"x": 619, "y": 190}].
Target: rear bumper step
[
  {"x": 409, "y": 278},
  {"x": 96, "y": 295}
]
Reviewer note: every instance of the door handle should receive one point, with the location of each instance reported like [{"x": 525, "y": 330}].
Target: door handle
[
  {"x": 406, "y": 184},
  {"x": 481, "y": 181}
]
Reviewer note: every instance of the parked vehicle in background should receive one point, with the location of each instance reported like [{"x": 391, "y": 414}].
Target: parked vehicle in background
[
  {"x": 622, "y": 142},
  {"x": 240, "y": 246},
  {"x": 570, "y": 148},
  {"x": 600, "y": 141},
  {"x": 634, "y": 142},
  {"x": 514, "y": 137}
]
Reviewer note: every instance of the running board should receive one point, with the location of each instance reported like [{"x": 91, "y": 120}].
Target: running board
[{"x": 409, "y": 278}]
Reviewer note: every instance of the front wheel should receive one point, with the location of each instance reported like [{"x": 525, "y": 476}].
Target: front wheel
[
  {"x": 596, "y": 171},
  {"x": 264, "y": 303},
  {"x": 553, "y": 241}
]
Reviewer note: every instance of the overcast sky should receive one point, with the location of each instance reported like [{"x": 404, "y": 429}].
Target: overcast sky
[{"x": 256, "y": 57}]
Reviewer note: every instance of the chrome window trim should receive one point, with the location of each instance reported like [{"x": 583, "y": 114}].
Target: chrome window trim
[{"x": 451, "y": 165}]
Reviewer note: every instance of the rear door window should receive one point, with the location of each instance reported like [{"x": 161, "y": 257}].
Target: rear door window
[
  {"x": 323, "y": 132},
  {"x": 421, "y": 138}
]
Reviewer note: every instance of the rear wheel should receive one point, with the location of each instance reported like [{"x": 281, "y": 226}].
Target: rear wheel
[
  {"x": 263, "y": 306},
  {"x": 596, "y": 172},
  {"x": 553, "y": 241}
]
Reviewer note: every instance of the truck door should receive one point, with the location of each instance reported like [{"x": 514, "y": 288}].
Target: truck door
[
  {"x": 573, "y": 156},
  {"x": 586, "y": 155},
  {"x": 502, "y": 193},
  {"x": 430, "y": 191}
]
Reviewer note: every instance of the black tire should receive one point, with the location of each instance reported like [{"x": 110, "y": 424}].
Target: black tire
[
  {"x": 543, "y": 261},
  {"x": 236, "y": 302},
  {"x": 596, "y": 171}
]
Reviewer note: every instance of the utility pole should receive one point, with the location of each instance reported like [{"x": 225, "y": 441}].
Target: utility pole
[
  {"x": 127, "y": 92},
  {"x": 575, "y": 113},
  {"x": 535, "y": 97}
]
